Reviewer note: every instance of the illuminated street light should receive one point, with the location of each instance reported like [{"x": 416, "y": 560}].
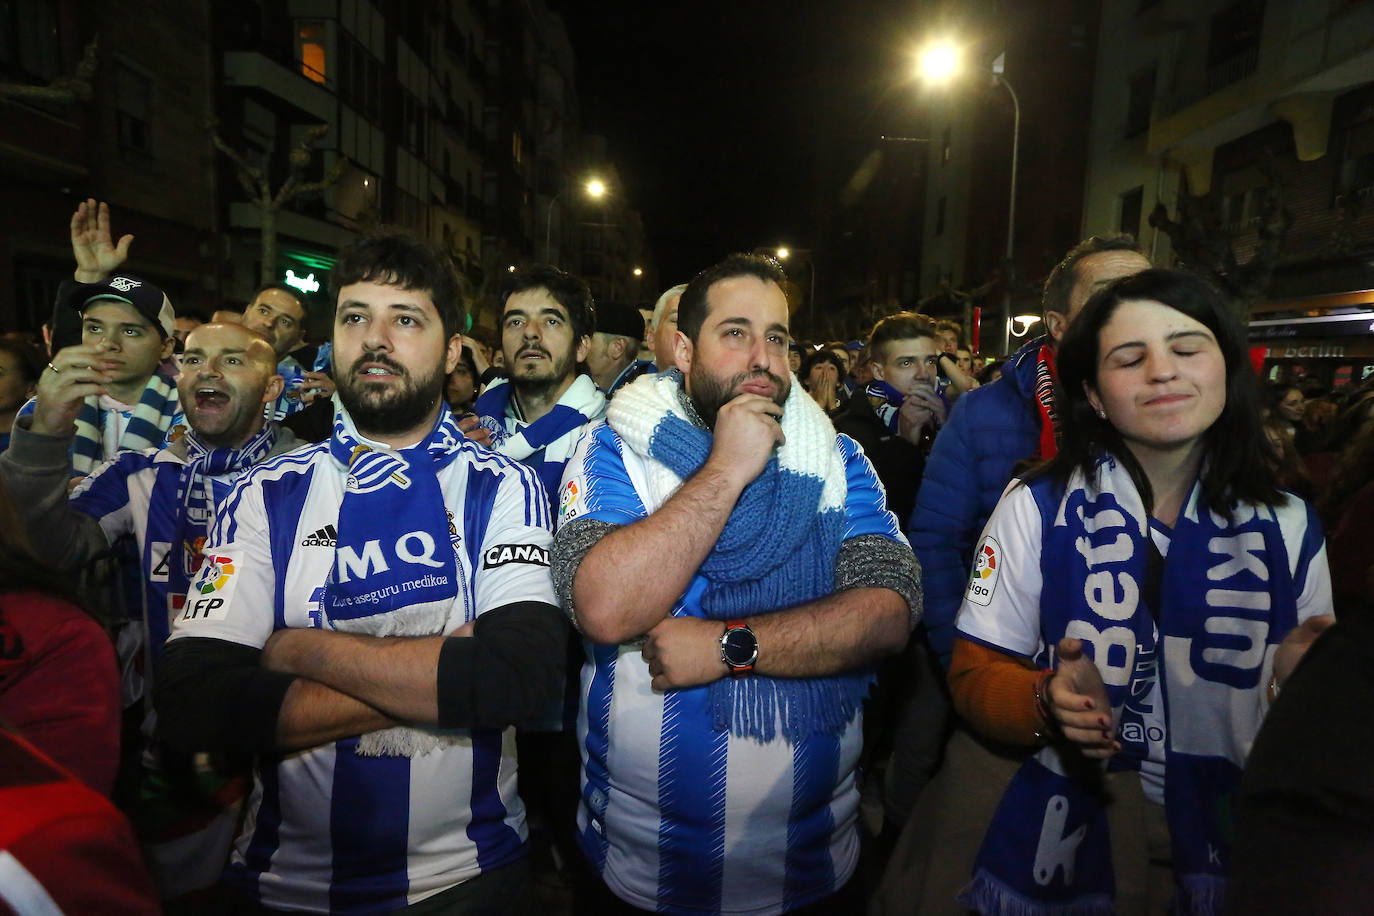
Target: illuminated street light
[
  {"x": 783, "y": 253},
  {"x": 510, "y": 269},
  {"x": 938, "y": 62},
  {"x": 595, "y": 188},
  {"x": 1025, "y": 321},
  {"x": 639, "y": 272}
]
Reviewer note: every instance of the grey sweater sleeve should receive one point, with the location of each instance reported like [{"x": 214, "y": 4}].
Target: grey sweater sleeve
[{"x": 35, "y": 471}]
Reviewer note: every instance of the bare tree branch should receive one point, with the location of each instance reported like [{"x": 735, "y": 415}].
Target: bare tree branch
[{"x": 64, "y": 90}]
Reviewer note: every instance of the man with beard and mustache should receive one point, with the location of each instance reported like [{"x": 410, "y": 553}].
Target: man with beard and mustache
[
  {"x": 165, "y": 501},
  {"x": 537, "y": 415},
  {"x": 730, "y": 562},
  {"x": 374, "y": 614}
]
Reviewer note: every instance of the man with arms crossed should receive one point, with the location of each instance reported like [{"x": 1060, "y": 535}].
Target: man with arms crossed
[{"x": 373, "y": 614}]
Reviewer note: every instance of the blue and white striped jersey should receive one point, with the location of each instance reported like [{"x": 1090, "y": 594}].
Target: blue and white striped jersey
[
  {"x": 329, "y": 830},
  {"x": 676, "y": 816}
]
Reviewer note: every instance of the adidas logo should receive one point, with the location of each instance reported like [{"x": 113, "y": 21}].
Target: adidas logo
[{"x": 322, "y": 538}]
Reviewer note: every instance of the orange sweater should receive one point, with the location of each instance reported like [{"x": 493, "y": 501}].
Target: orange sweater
[{"x": 995, "y": 693}]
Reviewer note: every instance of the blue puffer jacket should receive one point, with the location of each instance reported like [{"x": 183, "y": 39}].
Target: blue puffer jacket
[{"x": 989, "y": 430}]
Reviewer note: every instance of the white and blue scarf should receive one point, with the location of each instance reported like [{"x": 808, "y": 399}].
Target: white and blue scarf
[
  {"x": 147, "y": 427},
  {"x": 777, "y": 549},
  {"x": 886, "y": 402},
  {"x": 393, "y": 510},
  {"x": 196, "y": 495},
  {"x": 582, "y": 403},
  {"x": 1226, "y": 598}
]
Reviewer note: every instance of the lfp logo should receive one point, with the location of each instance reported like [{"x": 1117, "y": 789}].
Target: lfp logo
[
  {"x": 216, "y": 574},
  {"x": 983, "y": 580}
]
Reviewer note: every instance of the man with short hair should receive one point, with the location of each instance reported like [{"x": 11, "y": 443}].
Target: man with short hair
[
  {"x": 536, "y": 415},
  {"x": 165, "y": 500},
  {"x": 278, "y": 312},
  {"x": 374, "y": 614},
  {"x": 664, "y": 327},
  {"x": 612, "y": 357},
  {"x": 186, "y": 322},
  {"x": 990, "y": 431},
  {"x": 717, "y": 517},
  {"x": 897, "y": 414}
]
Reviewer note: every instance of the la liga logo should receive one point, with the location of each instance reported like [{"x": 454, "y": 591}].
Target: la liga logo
[
  {"x": 215, "y": 574},
  {"x": 986, "y": 567}
]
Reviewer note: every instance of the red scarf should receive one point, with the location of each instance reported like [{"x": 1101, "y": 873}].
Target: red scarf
[{"x": 1046, "y": 380}]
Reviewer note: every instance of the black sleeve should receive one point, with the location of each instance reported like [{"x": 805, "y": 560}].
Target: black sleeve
[
  {"x": 511, "y": 670},
  {"x": 492, "y": 374},
  {"x": 314, "y": 422},
  {"x": 212, "y": 695}
]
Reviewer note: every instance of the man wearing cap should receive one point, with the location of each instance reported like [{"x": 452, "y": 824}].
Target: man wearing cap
[
  {"x": 612, "y": 358},
  {"x": 127, "y": 329},
  {"x": 536, "y": 416},
  {"x": 163, "y": 501}
]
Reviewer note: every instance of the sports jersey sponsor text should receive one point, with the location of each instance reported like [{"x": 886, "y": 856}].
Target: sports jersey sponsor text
[{"x": 502, "y": 554}]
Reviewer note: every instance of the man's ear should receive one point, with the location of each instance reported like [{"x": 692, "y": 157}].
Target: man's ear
[
  {"x": 1057, "y": 323},
  {"x": 682, "y": 352},
  {"x": 275, "y": 385},
  {"x": 169, "y": 346},
  {"x": 453, "y": 352},
  {"x": 584, "y": 346},
  {"x": 877, "y": 368}
]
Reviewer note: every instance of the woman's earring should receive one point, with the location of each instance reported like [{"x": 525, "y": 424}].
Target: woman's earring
[{"x": 1101, "y": 414}]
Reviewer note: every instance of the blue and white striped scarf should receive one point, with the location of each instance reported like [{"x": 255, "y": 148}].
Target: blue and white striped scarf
[
  {"x": 528, "y": 443},
  {"x": 777, "y": 549},
  {"x": 147, "y": 428},
  {"x": 1226, "y": 599},
  {"x": 194, "y": 521}
]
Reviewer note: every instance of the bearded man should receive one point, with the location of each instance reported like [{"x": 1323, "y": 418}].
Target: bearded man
[
  {"x": 386, "y": 772},
  {"x": 730, "y": 562}
]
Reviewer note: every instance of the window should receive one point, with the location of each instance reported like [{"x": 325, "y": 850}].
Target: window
[
  {"x": 1356, "y": 177},
  {"x": 28, "y": 40},
  {"x": 310, "y": 50},
  {"x": 1140, "y": 102},
  {"x": 133, "y": 113},
  {"x": 945, "y": 149},
  {"x": 1131, "y": 204},
  {"x": 1233, "y": 40},
  {"x": 517, "y": 146},
  {"x": 412, "y": 124},
  {"x": 940, "y": 217}
]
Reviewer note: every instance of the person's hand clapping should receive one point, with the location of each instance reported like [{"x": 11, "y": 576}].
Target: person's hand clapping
[{"x": 1077, "y": 702}]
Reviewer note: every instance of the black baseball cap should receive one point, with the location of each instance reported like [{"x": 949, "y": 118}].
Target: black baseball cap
[
  {"x": 619, "y": 318},
  {"x": 148, "y": 300}
]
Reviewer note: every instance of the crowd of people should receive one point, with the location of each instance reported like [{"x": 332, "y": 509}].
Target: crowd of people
[{"x": 665, "y": 610}]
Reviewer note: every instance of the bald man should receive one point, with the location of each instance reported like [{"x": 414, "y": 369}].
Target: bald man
[{"x": 163, "y": 499}]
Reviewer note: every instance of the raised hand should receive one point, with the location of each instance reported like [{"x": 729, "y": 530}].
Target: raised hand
[
  {"x": 74, "y": 374},
  {"x": 96, "y": 255},
  {"x": 1078, "y": 703},
  {"x": 748, "y": 428}
]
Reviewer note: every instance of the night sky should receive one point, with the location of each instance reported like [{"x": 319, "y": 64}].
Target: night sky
[{"x": 718, "y": 114}]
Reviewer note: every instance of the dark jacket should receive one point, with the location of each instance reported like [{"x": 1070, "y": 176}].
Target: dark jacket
[
  {"x": 989, "y": 430},
  {"x": 898, "y": 462}
]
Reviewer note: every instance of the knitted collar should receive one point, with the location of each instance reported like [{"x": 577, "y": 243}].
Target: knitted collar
[{"x": 514, "y": 438}]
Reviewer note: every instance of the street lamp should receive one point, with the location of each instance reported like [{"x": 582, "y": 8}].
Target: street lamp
[
  {"x": 937, "y": 64},
  {"x": 594, "y": 189},
  {"x": 639, "y": 271},
  {"x": 782, "y": 253}
]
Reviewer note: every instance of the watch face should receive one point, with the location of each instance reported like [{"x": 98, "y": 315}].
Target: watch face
[{"x": 740, "y": 647}]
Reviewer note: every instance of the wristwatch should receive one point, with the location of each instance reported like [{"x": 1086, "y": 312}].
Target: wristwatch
[{"x": 739, "y": 648}]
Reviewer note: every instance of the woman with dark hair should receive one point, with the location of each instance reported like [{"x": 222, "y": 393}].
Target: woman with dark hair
[
  {"x": 821, "y": 375},
  {"x": 1135, "y": 605}
]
